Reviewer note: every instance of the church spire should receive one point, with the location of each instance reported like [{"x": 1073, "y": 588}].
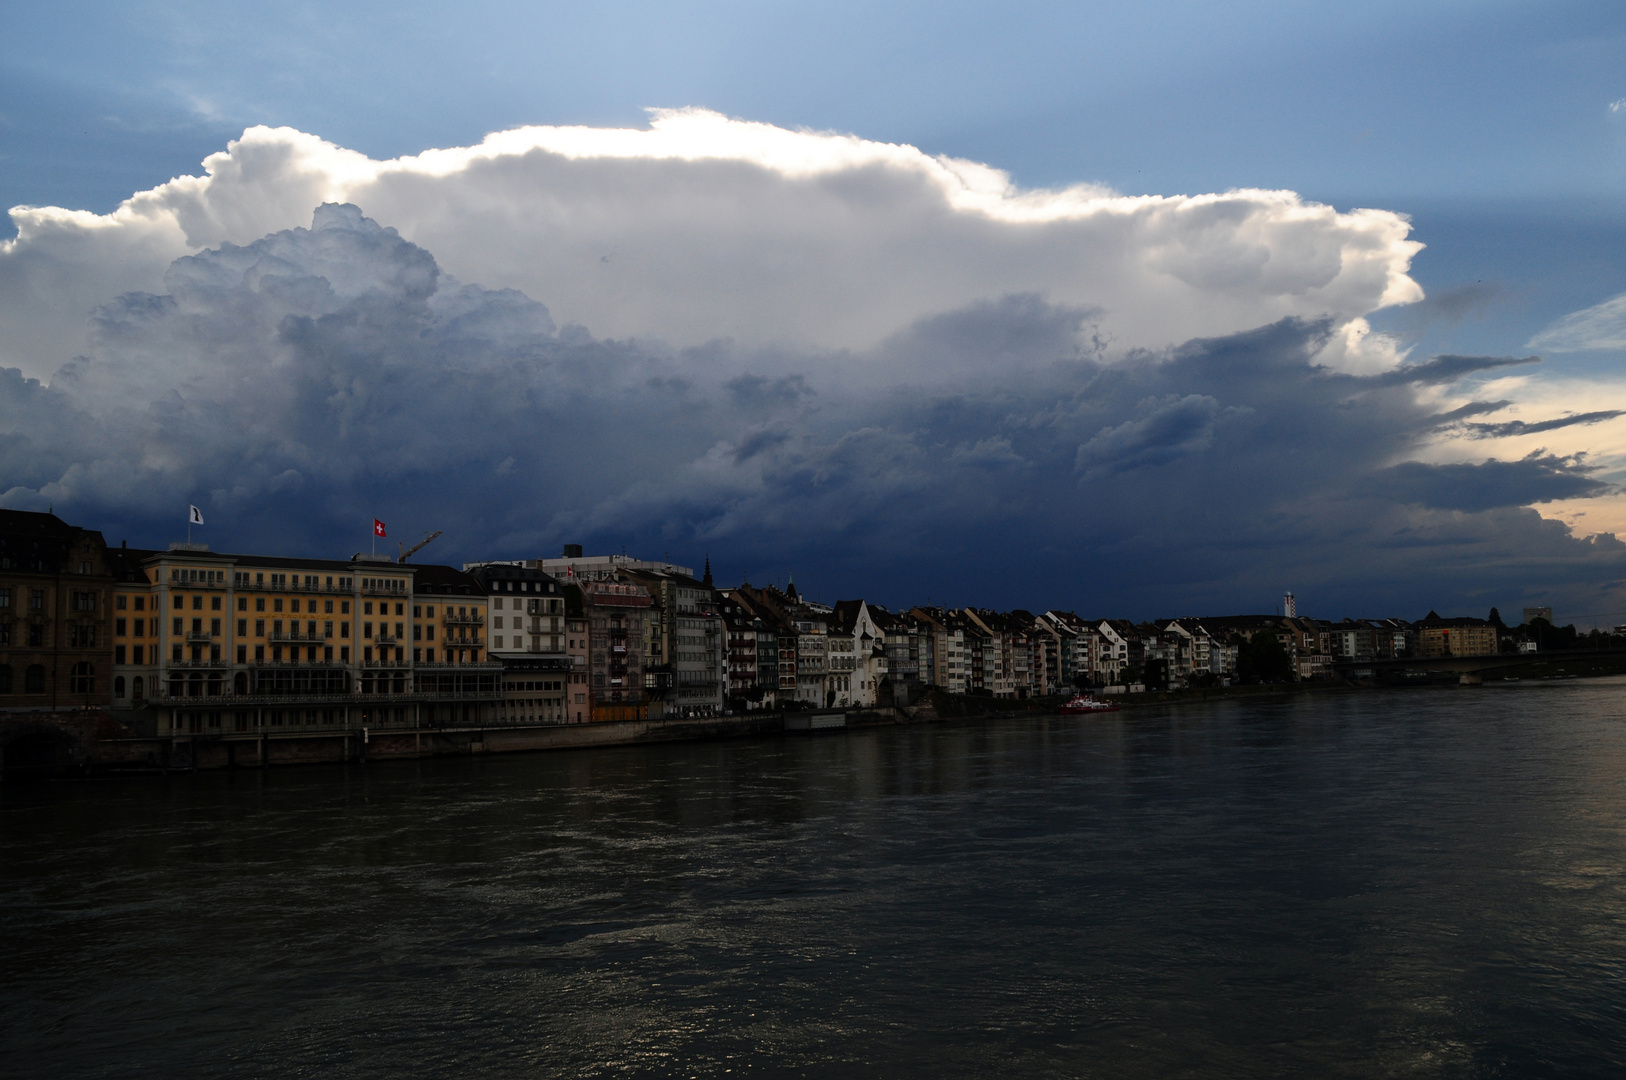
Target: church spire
[{"x": 707, "y": 578}]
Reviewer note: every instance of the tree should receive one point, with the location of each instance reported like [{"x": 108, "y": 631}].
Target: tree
[
  {"x": 1156, "y": 675},
  {"x": 1496, "y": 620},
  {"x": 1263, "y": 659}
]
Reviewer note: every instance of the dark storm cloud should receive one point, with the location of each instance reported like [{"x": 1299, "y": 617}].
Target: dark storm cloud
[
  {"x": 1447, "y": 368},
  {"x": 1538, "y": 478},
  {"x": 300, "y": 385},
  {"x": 1473, "y": 408},
  {"x": 1519, "y": 427}
]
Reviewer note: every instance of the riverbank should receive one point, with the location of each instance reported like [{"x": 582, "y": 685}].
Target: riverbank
[{"x": 91, "y": 743}]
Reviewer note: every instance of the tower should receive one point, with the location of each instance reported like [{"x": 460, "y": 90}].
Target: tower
[{"x": 1290, "y": 606}]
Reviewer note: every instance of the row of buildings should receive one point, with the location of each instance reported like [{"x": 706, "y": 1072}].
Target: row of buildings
[{"x": 187, "y": 641}]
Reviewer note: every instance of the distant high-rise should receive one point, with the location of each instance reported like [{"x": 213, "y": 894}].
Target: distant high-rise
[
  {"x": 1532, "y": 613},
  {"x": 1290, "y": 606}
]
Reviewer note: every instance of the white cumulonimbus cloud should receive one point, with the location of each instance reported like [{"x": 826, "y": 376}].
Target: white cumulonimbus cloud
[
  {"x": 703, "y": 227},
  {"x": 782, "y": 348}
]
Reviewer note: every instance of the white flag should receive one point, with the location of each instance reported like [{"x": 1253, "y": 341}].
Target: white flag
[{"x": 196, "y": 517}]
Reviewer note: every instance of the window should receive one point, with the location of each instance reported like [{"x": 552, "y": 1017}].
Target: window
[
  {"x": 400, "y": 609},
  {"x": 121, "y": 602},
  {"x": 259, "y": 603},
  {"x": 327, "y": 629},
  {"x": 138, "y": 688},
  {"x": 276, "y": 627},
  {"x": 276, "y": 605},
  {"x": 259, "y": 627},
  {"x": 139, "y": 652},
  {"x": 214, "y": 627},
  {"x": 259, "y": 654},
  {"x": 344, "y": 629},
  {"x": 81, "y": 679},
  {"x": 366, "y": 629},
  {"x": 197, "y": 626},
  {"x": 429, "y": 632},
  {"x": 118, "y": 654},
  {"x": 367, "y": 608},
  {"x": 327, "y": 607},
  {"x": 344, "y": 607},
  {"x": 197, "y": 602},
  {"x": 36, "y": 600},
  {"x": 242, "y": 603},
  {"x": 119, "y": 627},
  {"x": 118, "y": 686},
  {"x": 293, "y": 605},
  {"x": 429, "y": 611},
  {"x": 141, "y": 603},
  {"x": 34, "y": 679},
  {"x": 417, "y": 632},
  {"x": 344, "y": 653},
  {"x": 417, "y": 611},
  {"x": 242, "y": 628},
  {"x": 214, "y": 603},
  {"x": 497, "y": 604},
  {"x": 180, "y": 602},
  {"x": 242, "y": 654},
  {"x": 429, "y": 655}
]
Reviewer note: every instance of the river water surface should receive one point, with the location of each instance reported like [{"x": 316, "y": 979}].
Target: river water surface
[{"x": 1408, "y": 883}]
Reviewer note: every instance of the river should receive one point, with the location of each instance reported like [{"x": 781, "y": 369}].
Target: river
[{"x": 1390, "y": 883}]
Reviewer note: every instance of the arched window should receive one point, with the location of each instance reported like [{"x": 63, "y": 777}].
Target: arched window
[
  {"x": 34, "y": 679},
  {"x": 138, "y": 689},
  {"x": 118, "y": 686},
  {"x": 81, "y": 679},
  {"x": 194, "y": 685}
]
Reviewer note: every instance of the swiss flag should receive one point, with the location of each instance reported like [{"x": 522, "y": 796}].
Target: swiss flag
[{"x": 378, "y": 527}]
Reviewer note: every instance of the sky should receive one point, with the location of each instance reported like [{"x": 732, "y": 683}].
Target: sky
[{"x": 1130, "y": 309}]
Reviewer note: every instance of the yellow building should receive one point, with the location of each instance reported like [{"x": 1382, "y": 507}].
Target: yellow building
[
  {"x": 1437, "y": 637},
  {"x": 208, "y": 644}
]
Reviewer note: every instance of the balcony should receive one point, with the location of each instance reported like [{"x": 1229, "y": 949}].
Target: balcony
[
  {"x": 295, "y": 635},
  {"x": 385, "y": 639},
  {"x": 342, "y": 587},
  {"x": 198, "y": 635},
  {"x": 471, "y": 668},
  {"x": 282, "y": 664},
  {"x": 195, "y": 664},
  {"x": 464, "y": 620}
]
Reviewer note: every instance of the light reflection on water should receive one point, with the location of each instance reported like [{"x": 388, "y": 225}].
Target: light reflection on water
[{"x": 1422, "y": 883}]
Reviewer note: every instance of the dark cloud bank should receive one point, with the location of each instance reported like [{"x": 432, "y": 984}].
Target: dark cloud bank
[{"x": 296, "y": 387}]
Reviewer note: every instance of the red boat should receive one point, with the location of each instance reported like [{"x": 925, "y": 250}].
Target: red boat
[{"x": 1084, "y": 703}]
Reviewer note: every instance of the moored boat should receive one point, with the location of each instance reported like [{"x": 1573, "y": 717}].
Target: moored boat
[{"x": 1084, "y": 703}]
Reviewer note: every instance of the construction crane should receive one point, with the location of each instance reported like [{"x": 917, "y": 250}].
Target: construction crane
[{"x": 415, "y": 548}]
